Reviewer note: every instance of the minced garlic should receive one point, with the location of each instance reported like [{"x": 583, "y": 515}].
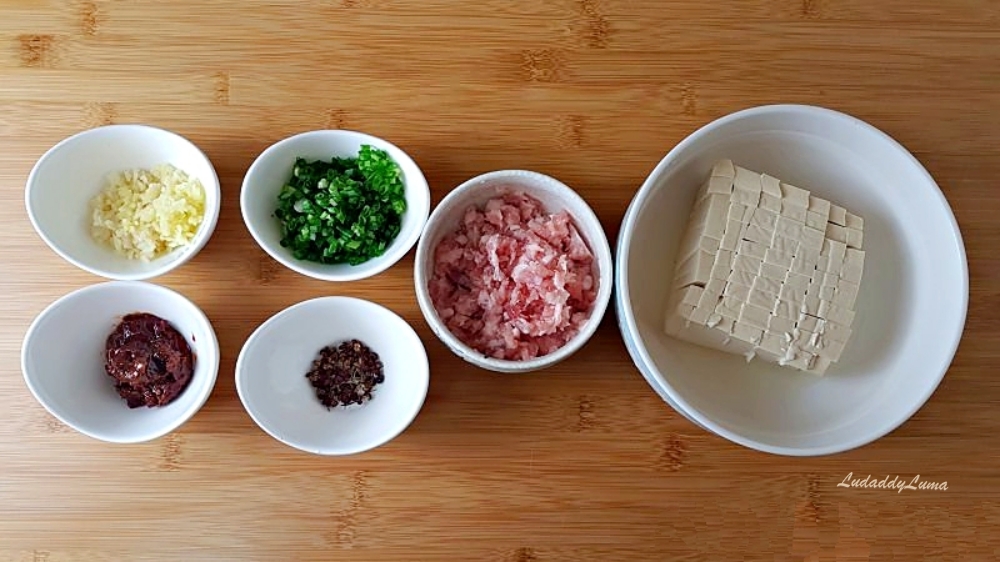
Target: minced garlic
[{"x": 144, "y": 214}]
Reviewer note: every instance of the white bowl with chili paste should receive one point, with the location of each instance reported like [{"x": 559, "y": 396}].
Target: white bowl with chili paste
[
  {"x": 66, "y": 350},
  {"x": 513, "y": 271},
  {"x": 274, "y": 367}
]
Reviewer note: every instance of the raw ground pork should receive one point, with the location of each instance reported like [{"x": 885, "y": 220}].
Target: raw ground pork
[{"x": 513, "y": 282}]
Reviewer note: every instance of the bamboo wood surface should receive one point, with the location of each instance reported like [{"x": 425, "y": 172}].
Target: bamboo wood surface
[{"x": 583, "y": 462}]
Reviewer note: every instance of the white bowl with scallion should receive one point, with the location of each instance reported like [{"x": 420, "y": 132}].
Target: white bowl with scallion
[{"x": 335, "y": 205}]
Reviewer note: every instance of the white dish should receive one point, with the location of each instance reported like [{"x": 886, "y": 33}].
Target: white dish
[
  {"x": 910, "y": 312},
  {"x": 272, "y": 366},
  {"x": 62, "y": 359},
  {"x": 65, "y": 179},
  {"x": 271, "y": 171},
  {"x": 555, "y": 196}
]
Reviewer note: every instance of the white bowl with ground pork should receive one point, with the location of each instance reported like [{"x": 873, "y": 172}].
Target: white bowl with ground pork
[
  {"x": 125, "y": 202},
  {"x": 513, "y": 272}
]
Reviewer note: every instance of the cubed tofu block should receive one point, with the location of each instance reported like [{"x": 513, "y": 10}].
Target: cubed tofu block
[
  {"x": 826, "y": 292},
  {"x": 772, "y": 344},
  {"x": 738, "y": 291},
  {"x": 795, "y": 196},
  {"x": 854, "y": 221},
  {"x": 838, "y": 215},
  {"x": 855, "y": 237},
  {"x": 744, "y": 262},
  {"x": 793, "y": 294},
  {"x": 767, "y": 285},
  {"x": 747, "y": 333},
  {"x": 819, "y": 205},
  {"x": 786, "y": 309},
  {"x": 780, "y": 259},
  {"x": 770, "y": 202},
  {"x": 770, "y": 185},
  {"x": 845, "y": 294},
  {"x": 780, "y": 324},
  {"x": 789, "y": 228},
  {"x": 784, "y": 244},
  {"x": 772, "y": 271},
  {"x": 766, "y": 269},
  {"x": 732, "y": 235},
  {"x": 811, "y": 238},
  {"x": 752, "y": 249},
  {"x": 816, "y": 220},
  {"x": 719, "y": 185},
  {"x": 807, "y": 322},
  {"x": 836, "y": 232},
  {"x": 802, "y": 265},
  {"x": 796, "y": 280},
  {"x": 764, "y": 218},
  {"x": 757, "y": 233},
  {"x": 764, "y": 300},
  {"x": 753, "y": 315},
  {"x": 724, "y": 169},
  {"x": 794, "y": 212},
  {"x": 695, "y": 270},
  {"x": 691, "y": 294},
  {"x": 746, "y": 187}
]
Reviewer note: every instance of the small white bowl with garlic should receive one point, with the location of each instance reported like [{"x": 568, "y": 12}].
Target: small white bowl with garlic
[{"x": 141, "y": 184}]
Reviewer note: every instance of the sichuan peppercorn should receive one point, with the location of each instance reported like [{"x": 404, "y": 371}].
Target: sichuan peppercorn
[{"x": 345, "y": 374}]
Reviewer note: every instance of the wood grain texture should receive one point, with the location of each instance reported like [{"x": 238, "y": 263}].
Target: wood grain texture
[{"x": 581, "y": 463}]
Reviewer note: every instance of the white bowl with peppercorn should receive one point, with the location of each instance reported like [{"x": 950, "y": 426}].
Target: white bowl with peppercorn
[
  {"x": 121, "y": 361},
  {"x": 335, "y": 205},
  {"x": 333, "y": 375}
]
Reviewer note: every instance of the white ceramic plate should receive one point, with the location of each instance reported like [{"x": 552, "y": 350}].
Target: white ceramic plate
[{"x": 910, "y": 312}]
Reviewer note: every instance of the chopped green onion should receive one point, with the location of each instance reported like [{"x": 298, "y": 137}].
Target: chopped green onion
[{"x": 345, "y": 210}]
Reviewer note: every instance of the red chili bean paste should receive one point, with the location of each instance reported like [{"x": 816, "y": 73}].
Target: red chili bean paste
[{"x": 149, "y": 360}]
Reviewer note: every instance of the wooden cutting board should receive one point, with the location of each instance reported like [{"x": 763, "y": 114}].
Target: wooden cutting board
[{"x": 583, "y": 462}]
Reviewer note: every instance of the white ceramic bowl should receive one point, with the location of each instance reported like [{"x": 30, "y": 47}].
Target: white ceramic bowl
[
  {"x": 272, "y": 366},
  {"x": 555, "y": 196},
  {"x": 271, "y": 171},
  {"x": 65, "y": 179},
  {"x": 62, "y": 359},
  {"x": 910, "y": 312}
]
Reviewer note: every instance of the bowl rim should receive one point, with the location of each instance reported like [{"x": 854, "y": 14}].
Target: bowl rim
[
  {"x": 209, "y": 221},
  {"x": 240, "y": 374},
  {"x": 376, "y": 265},
  {"x": 602, "y": 254},
  {"x": 185, "y": 416},
  {"x": 628, "y": 325}
]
